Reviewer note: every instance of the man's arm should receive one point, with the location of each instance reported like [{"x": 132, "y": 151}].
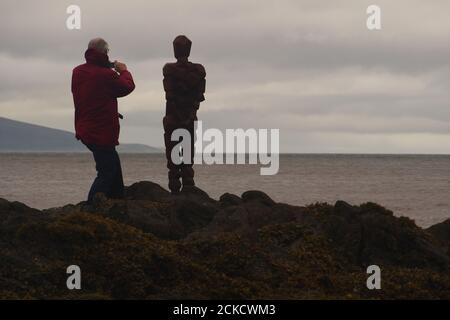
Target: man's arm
[
  {"x": 202, "y": 84},
  {"x": 121, "y": 84}
]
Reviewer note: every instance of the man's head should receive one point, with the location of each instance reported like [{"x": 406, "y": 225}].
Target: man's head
[
  {"x": 99, "y": 45},
  {"x": 182, "y": 47}
]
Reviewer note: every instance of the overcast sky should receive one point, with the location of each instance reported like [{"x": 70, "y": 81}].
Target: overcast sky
[{"x": 309, "y": 68}]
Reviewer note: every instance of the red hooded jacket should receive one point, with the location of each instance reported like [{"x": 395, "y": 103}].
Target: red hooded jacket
[{"x": 95, "y": 89}]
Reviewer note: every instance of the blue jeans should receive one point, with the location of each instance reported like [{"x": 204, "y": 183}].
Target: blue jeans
[{"x": 109, "y": 178}]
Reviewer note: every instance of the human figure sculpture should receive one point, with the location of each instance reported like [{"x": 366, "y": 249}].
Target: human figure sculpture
[{"x": 184, "y": 84}]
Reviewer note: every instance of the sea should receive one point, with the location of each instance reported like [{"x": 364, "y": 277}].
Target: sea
[{"x": 416, "y": 186}]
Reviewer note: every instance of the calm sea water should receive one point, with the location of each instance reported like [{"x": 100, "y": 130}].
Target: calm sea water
[{"x": 417, "y": 186}]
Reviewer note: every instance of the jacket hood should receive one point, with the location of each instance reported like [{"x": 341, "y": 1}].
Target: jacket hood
[{"x": 97, "y": 58}]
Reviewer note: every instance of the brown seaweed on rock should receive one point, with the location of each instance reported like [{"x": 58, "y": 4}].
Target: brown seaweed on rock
[{"x": 156, "y": 246}]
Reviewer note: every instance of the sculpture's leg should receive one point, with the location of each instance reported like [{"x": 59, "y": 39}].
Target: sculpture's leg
[
  {"x": 174, "y": 169},
  {"x": 187, "y": 171}
]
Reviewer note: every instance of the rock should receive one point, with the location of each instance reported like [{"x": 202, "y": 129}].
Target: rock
[
  {"x": 188, "y": 215},
  {"x": 259, "y": 196},
  {"x": 343, "y": 208},
  {"x": 152, "y": 245},
  {"x": 196, "y": 194},
  {"x": 146, "y": 190},
  {"x": 229, "y": 219},
  {"x": 13, "y": 215},
  {"x": 166, "y": 216},
  {"x": 441, "y": 231},
  {"x": 228, "y": 199},
  {"x": 370, "y": 234}
]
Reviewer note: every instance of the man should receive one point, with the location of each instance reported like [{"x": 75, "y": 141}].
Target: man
[
  {"x": 184, "y": 84},
  {"x": 95, "y": 89}
]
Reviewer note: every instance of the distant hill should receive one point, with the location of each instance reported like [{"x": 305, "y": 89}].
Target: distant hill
[{"x": 16, "y": 136}]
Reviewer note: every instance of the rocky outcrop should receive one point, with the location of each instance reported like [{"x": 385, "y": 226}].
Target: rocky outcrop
[
  {"x": 153, "y": 245},
  {"x": 441, "y": 232}
]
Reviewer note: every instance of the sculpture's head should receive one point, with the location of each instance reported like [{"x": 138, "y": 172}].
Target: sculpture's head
[{"x": 182, "y": 47}]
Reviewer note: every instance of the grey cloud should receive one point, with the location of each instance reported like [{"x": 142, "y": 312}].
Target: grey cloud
[
  {"x": 310, "y": 68},
  {"x": 230, "y": 33}
]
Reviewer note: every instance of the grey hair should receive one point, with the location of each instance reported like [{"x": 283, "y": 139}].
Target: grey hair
[{"x": 99, "y": 44}]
